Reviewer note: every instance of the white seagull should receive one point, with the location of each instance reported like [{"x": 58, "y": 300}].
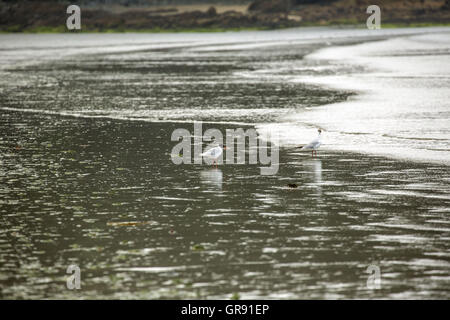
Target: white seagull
[
  {"x": 314, "y": 145},
  {"x": 214, "y": 153}
]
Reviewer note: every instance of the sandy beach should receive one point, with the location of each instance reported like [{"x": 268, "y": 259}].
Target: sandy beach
[{"x": 86, "y": 175}]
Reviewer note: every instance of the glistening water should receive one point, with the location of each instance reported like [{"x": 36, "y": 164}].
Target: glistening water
[{"x": 86, "y": 175}]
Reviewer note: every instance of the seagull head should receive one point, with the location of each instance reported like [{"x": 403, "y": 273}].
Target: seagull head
[{"x": 214, "y": 143}]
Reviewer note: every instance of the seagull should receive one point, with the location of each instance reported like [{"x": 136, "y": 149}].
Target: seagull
[
  {"x": 214, "y": 153},
  {"x": 314, "y": 145}
]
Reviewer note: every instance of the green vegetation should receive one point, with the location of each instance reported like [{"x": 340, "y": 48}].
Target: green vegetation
[
  {"x": 17, "y": 28},
  {"x": 198, "y": 247},
  {"x": 414, "y": 25},
  {"x": 340, "y": 22},
  {"x": 390, "y": 25},
  {"x": 235, "y": 296},
  {"x": 63, "y": 29}
]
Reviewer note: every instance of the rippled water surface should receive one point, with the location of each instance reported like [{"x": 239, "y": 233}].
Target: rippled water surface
[{"x": 86, "y": 175}]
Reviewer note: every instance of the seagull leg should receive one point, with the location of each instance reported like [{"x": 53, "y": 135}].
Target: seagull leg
[{"x": 312, "y": 153}]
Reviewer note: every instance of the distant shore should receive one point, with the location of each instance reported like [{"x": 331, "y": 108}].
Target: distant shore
[
  {"x": 50, "y": 17},
  {"x": 63, "y": 29}
]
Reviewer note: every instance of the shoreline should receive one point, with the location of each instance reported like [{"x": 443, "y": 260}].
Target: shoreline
[
  {"x": 286, "y": 149},
  {"x": 351, "y": 24},
  {"x": 374, "y": 86}
]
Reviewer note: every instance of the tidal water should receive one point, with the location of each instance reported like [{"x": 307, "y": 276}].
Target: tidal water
[
  {"x": 402, "y": 105},
  {"x": 86, "y": 176}
]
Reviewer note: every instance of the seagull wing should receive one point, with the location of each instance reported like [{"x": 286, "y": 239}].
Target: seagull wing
[
  {"x": 313, "y": 144},
  {"x": 213, "y": 152}
]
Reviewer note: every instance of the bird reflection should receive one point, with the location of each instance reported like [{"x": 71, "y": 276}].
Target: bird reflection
[
  {"x": 212, "y": 177},
  {"x": 315, "y": 166}
]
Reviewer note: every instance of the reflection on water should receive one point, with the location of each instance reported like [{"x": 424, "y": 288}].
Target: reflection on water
[
  {"x": 315, "y": 167},
  {"x": 141, "y": 227},
  {"x": 212, "y": 177},
  {"x": 104, "y": 194}
]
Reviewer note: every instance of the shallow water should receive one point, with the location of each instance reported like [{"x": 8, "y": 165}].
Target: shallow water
[
  {"x": 402, "y": 109},
  {"x": 86, "y": 177}
]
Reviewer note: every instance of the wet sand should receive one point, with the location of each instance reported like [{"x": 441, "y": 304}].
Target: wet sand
[
  {"x": 402, "y": 105},
  {"x": 86, "y": 177}
]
